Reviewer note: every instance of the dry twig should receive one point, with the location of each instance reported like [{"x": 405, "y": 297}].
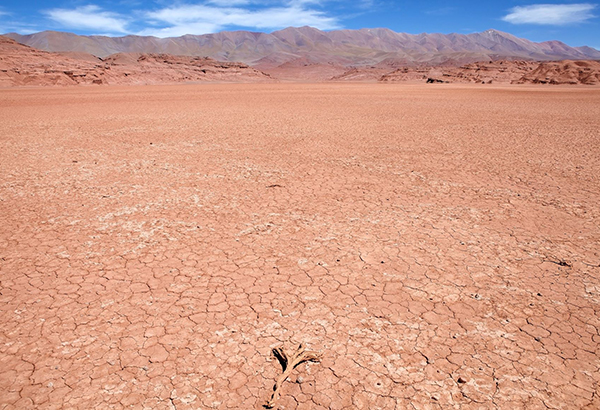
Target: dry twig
[{"x": 287, "y": 365}]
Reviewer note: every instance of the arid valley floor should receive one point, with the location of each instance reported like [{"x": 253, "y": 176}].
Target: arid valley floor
[{"x": 437, "y": 245}]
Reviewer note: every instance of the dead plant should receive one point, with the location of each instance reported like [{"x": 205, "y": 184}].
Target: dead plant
[{"x": 287, "y": 365}]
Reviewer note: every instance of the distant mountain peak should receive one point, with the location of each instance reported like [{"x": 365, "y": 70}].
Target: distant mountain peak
[{"x": 494, "y": 32}]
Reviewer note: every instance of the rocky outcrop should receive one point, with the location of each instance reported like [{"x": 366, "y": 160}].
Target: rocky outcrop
[
  {"x": 21, "y": 65},
  {"x": 503, "y": 72},
  {"x": 564, "y": 72},
  {"x": 480, "y": 72}
]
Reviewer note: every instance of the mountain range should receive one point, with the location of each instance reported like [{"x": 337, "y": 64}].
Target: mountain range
[
  {"x": 306, "y": 46},
  {"x": 22, "y": 65}
]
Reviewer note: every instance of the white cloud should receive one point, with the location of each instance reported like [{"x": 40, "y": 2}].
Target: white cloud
[
  {"x": 200, "y": 19},
  {"x": 208, "y": 16},
  {"x": 14, "y": 25},
  {"x": 296, "y": 3},
  {"x": 89, "y": 17},
  {"x": 228, "y": 3},
  {"x": 179, "y": 30},
  {"x": 551, "y": 14}
]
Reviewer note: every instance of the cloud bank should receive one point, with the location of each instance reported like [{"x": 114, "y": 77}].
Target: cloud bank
[
  {"x": 193, "y": 19},
  {"x": 551, "y": 14},
  {"x": 89, "y": 17},
  {"x": 206, "y": 17}
]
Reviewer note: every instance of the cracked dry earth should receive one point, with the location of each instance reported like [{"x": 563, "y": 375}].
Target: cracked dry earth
[{"x": 437, "y": 245}]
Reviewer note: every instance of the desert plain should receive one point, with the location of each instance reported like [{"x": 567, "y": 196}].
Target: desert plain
[{"x": 437, "y": 245}]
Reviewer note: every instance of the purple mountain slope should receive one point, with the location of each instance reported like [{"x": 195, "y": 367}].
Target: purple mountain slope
[{"x": 343, "y": 47}]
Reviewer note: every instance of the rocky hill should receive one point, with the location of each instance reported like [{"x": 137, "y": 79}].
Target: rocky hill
[
  {"x": 480, "y": 72},
  {"x": 22, "y": 65},
  {"x": 564, "y": 72},
  {"x": 584, "y": 72}
]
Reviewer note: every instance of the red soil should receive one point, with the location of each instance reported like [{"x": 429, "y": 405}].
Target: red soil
[{"x": 437, "y": 246}]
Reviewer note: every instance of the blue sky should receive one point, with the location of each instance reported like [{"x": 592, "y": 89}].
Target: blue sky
[{"x": 573, "y": 22}]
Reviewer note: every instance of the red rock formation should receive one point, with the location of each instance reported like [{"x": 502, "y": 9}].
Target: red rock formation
[
  {"x": 480, "y": 72},
  {"x": 564, "y": 72},
  {"x": 504, "y": 72},
  {"x": 22, "y": 65}
]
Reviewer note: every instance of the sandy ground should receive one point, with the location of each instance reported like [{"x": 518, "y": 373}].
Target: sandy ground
[{"x": 437, "y": 245}]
